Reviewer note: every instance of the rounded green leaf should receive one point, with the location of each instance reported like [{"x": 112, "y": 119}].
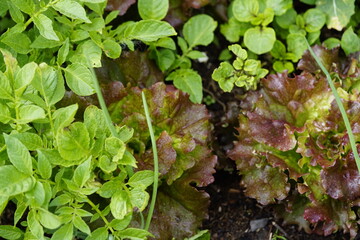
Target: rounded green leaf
[
  {"x": 80, "y": 224},
  {"x": 259, "y": 40},
  {"x": 20, "y": 42},
  {"x": 106, "y": 164},
  {"x": 5, "y": 115},
  {"x": 139, "y": 198},
  {"x": 279, "y": 50},
  {"x": 63, "y": 52},
  {"x": 314, "y": 20},
  {"x": 331, "y": 43},
  {"x": 142, "y": 179},
  {"x": 287, "y": 19},
  {"x": 18, "y": 154},
  {"x": 153, "y": 9},
  {"x": 279, "y": 6},
  {"x": 30, "y": 113},
  {"x": 296, "y": 44},
  {"x": 88, "y": 53},
  {"x": 14, "y": 182},
  {"x": 120, "y": 204},
  {"x": 149, "y": 30},
  {"x": 188, "y": 81},
  {"x": 223, "y": 76},
  {"x": 44, "y": 25},
  {"x": 82, "y": 173},
  {"x": 115, "y": 147},
  {"x": 10, "y": 232},
  {"x": 79, "y": 79},
  {"x": 111, "y": 48},
  {"x": 71, "y": 9},
  {"x": 280, "y": 66},
  {"x": 350, "y": 42},
  {"x": 245, "y": 11},
  {"x": 233, "y": 29},
  {"x": 24, "y": 76},
  {"x": 238, "y": 51},
  {"x": 48, "y": 219},
  {"x": 44, "y": 166},
  {"x": 73, "y": 143},
  {"x": 338, "y": 12},
  {"x": 199, "y": 30}
]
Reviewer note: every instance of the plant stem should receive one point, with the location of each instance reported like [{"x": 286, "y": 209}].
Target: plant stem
[
  {"x": 101, "y": 215},
  {"x": 103, "y": 105},
  {"x": 156, "y": 163},
  {"x": 340, "y": 105}
]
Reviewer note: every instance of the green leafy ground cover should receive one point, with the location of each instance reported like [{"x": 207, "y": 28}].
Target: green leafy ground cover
[{"x": 76, "y": 154}]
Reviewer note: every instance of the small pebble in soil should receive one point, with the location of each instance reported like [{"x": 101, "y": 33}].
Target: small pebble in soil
[{"x": 258, "y": 224}]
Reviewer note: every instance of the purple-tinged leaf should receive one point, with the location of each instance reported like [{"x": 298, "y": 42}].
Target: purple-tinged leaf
[
  {"x": 266, "y": 184},
  {"x": 121, "y": 5},
  {"x": 342, "y": 181},
  {"x": 182, "y": 130}
]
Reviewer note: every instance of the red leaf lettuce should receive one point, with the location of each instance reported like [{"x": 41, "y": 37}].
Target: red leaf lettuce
[
  {"x": 293, "y": 147},
  {"x": 182, "y": 130}
]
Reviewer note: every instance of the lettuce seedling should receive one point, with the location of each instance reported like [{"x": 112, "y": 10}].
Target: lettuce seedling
[{"x": 293, "y": 148}]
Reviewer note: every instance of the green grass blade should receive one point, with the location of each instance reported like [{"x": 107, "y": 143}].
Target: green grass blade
[
  {"x": 341, "y": 107},
  {"x": 156, "y": 163}
]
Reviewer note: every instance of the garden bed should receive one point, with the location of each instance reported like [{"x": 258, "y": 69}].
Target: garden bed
[{"x": 176, "y": 119}]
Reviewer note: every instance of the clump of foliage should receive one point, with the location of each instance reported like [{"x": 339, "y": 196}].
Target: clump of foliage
[
  {"x": 53, "y": 168},
  {"x": 277, "y": 28},
  {"x": 70, "y": 176},
  {"x": 293, "y": 148},
  {"x": 197, "y": 31},
  {"x": 242, "y": 72},
  {"x": 182, "y": 132}
]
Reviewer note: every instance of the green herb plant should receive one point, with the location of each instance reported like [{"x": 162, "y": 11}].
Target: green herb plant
[
  {"x": 67, "y": 177},
  {"x": 275, "y": 27},
  {"x": 242, "y": 72},
  {"x": 197, "y": 31}
]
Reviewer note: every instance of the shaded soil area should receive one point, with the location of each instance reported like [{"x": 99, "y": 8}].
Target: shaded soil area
[{"x": 233, "y": 216}]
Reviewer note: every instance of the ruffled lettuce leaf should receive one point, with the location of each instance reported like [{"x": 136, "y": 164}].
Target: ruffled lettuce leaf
[
  {"x": 291, "y": 130},
  {"x": 182, "y": 131},
  {"x": 345, "y": 67}
]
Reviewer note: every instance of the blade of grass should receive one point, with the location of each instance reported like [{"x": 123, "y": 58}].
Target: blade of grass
[
  {"x": 340, "y": 105},
  {"x": 156, "y": 163},
  {"x": 102, "y": 103}
]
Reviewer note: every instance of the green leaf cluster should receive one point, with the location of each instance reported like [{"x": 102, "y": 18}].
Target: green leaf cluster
[
  {"x": 243, "y": 72},
  {"x": 197, "y": 31},
  {"x": 275, "y": 27},
  {"x": 52, "y": 167},
  {"x": 67, "y": 177}
]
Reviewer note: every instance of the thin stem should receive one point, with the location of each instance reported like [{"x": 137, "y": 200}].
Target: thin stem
[
  {"x": 341, "y": 107},
  {"x": 101, "y": 215},
  {"x": 43, "y": 9},
  {"x": 103, "y": 105},
  {"x": 156, "y": 163}
]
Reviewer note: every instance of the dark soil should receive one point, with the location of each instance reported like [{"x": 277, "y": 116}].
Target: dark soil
[{"x": 233, "y": 216}]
